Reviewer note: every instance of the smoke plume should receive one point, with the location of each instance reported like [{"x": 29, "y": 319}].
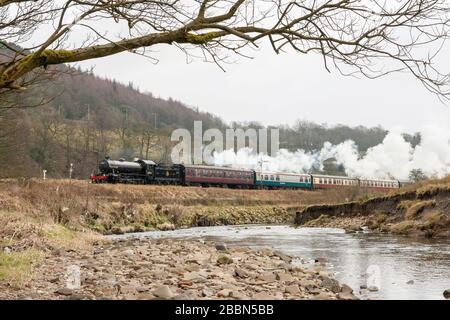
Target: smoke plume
[{"x": 393, "y": 158}]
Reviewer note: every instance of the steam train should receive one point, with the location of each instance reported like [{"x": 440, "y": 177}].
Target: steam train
[{"x": 148, "y": 172}]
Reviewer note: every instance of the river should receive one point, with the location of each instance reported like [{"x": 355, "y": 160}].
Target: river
[{"x": 401, "y": 267}]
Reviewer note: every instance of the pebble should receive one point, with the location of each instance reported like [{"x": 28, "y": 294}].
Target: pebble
[
  {"x": 64, "y": 291},
  {"x": 224, "y": 259},
  {"x": 163, "y": 292},
  {"x": 293, "y": 289},
  {"x": 221, "y": 246}
]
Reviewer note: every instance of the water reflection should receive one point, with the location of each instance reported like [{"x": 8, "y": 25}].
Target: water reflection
[{"x": 409, "y": 268}]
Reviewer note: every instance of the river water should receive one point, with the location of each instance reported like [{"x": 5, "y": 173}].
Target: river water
[{"x": 401, "y": 267}]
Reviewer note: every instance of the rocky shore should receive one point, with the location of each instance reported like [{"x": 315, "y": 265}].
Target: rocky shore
[{"x": 170, "y": 269}]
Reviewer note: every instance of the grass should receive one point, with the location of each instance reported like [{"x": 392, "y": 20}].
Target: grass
[
  {"x": 415, "y": 208},
  {"x": 102, "y": 208},
  {"x": 16, "y": 268},
  {"x": 434, "y": 219},
  {"x": 403, "y": 227},
  {"x": 61, "y": 237}
]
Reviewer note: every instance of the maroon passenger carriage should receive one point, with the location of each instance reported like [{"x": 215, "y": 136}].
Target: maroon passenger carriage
[{"x": 218, "y": 176}]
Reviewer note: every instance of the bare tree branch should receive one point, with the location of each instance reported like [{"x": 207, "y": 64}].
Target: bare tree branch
[{"x": 367, "y": 37}]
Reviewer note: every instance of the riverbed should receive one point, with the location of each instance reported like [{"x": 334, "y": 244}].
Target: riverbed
[{"x": 399, "y": 267}]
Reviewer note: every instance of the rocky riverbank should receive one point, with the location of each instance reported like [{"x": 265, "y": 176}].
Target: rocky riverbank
[
  {"x": 421, "y": 212},
  {"x": 172, "y": 269}
]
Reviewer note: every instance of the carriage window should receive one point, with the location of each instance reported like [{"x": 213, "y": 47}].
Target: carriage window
[
  {"x": 266, "y": 177},
  {"x": 271, "y": 177},
  {"x": 278, "y": 178}
]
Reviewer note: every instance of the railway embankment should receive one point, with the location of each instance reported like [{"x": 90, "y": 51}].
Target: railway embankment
[
  {"x": 115, "y": 209},
  {"x": 423, "y": 211}
]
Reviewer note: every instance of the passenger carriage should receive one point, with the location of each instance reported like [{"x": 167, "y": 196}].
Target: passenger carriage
[
  {"x": 325, "y": 181},
  {"x": 282, "y": 180},
  {"x": 380, "y": 184},
  {"x": 218, "y": 176}
]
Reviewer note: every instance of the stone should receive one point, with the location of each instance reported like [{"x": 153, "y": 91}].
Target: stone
[
  {"x": 346, "y": 296},
  {"x": 322, "y": 296},
  {"x": 207, "y": 292},
  {"x": 363, "y": 286},
  {"x": 145, "y": 296},
  {"x": 262, "y": 296},
  {"x": 224, "y": 259},
  {"x": 373, "y": 288},
  {"x": 283, "y": 276},
  {"x": 410, "y": 282},
  {"x": 141, "y": 289},
  {"x": 238, "y": 295},
  {"x": 268, "y": 277},
  {"x": 446, "y": 294},
  {"x": 283, "y": 256},
  {"x": 193, "y": 276},
  {"x": 292, "y": 289},
  {"x": 313, "y": 290},
  {"x": 331, "y": 284},
  {"x": 346, "y": 289},
  {"x": 128, "y": 253},
  {"x": 224, "y": 293},
  {"x": 240, "y": 273},
  {"x": 127, "y": 289},
  {"x": 221, "y": 246},
  {"x": 64, "y": 291},
  {"x": 163, "y": 292},
  {"x": 307, "y": 284}
]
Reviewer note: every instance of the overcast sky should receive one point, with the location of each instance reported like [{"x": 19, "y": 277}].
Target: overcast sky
[{"x": 278, "y": 89}]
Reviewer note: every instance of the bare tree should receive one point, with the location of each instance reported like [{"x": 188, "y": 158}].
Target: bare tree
[
  {"x": 368, "y": 37},
  {"x": 148, "y": 140}
]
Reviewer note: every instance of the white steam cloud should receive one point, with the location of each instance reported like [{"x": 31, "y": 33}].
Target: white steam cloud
[{"x": 393, "y": 158}]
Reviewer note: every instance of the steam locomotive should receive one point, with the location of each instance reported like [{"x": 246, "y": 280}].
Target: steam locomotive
[{"x": 148, "y": 172}]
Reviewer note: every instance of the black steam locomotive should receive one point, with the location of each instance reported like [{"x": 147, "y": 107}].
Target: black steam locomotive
[{"x": 137, "y": 172}]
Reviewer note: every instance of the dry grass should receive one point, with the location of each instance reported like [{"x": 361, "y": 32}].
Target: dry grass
[
  {"x": 118, "y": 208},
  {"x": 416, "y": 208},
  {"x": 432, "y": 190},
  {"x": 16, "y": 268},
  {"x": 435, "y": 219},
  {"x": 403, "y": 227}
]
